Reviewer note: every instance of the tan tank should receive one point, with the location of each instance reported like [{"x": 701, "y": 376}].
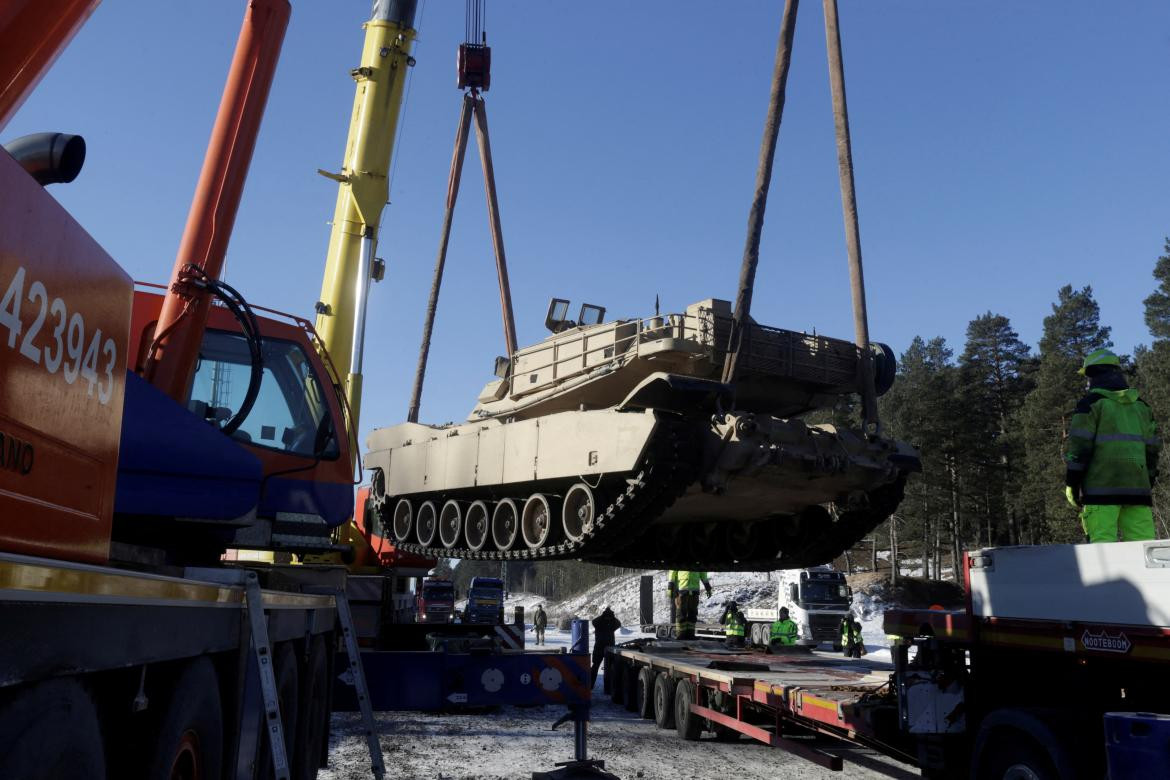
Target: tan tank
[{"x": 614, "y": 442}]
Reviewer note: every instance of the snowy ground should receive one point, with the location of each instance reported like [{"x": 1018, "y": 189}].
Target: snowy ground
[{"x": 512, "y": 742}]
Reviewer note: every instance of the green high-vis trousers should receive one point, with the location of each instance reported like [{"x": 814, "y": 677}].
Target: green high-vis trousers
[{"x": 1102, "y": 522}]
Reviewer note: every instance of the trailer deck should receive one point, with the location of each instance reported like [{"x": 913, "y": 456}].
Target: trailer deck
[{"x": 777, "y": 699}]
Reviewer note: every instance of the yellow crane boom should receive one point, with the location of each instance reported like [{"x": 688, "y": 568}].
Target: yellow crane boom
[{"x": 363, "y": 189}]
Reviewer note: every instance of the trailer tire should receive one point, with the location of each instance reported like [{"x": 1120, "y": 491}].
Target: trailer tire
[
  {"x": 313, "y": 723},
  {"x": 630, "y": 681},
  {"x": 688, "y": 725},
  {"x": 618, "y": 687},
  {"x": 1015, "y": 756},
  {"x": 1041, "y": 740},
  {"x": 646, "y": 693},
  {"x": 188, "y": 736},
  {"x": 664, "y": 700},
  {"x": 284, "y": 668},
  {"x": 49, "y": 730}
]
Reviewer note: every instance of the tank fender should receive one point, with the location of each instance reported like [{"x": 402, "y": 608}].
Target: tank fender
[{"x": 675, "y": 393}]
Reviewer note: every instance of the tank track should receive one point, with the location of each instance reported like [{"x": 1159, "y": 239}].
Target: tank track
[
  {"x": 810, "y": 544},
  {"x": 669, "y": 466}
]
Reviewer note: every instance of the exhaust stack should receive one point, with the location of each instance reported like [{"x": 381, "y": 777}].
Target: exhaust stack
[{"x": 50, "y": 158}]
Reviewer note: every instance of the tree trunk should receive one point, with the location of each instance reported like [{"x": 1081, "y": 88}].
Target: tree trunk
[{"x": 894, "y": 550}]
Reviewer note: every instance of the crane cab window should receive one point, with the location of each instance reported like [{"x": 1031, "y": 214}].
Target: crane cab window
[{"x": 290, "y": 414}]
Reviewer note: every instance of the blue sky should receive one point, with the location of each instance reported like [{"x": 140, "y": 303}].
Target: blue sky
[{"x": 1002, "y": 149}]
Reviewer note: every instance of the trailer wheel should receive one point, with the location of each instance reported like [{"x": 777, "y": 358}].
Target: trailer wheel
[
  {"x": 313, "y": 722},
  {"x": 1012, "y": 756},
  {"x": 686, "y": 723},
  {"x": 630, "y": 695},
  {"x": 50, "y": 730},
  {"x": 664, "y": 700},
  {"x": 284, "y": 668},
  {"x": 187, "y": 739},
  {"x": 617, "y": 667},
  {"x": 646, "y": 693}
]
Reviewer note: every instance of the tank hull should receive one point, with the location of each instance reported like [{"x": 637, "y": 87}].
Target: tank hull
[{"x": 665, "y": 478}]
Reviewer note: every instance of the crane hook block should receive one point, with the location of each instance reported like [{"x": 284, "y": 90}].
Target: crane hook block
[{"x": 475, "y": 66}]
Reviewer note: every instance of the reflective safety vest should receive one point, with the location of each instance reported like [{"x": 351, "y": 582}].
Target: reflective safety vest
[
  {"x": 785, "y": 631},
  {"x": 687, "y": 580},
  {"x": 1112, "y": 449},
  {"x": 734, "y": 625}
]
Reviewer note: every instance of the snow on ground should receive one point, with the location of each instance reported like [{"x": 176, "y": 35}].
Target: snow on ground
[
  {"x": 511, "y": 742},
  {"x": 748, "y": 589}
]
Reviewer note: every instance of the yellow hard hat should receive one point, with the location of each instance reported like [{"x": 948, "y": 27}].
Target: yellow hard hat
[{"x": 1099, "y": 357}]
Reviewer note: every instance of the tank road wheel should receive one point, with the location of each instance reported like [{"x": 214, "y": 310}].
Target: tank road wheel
[
  {"x": 428, "y": 523},
  {"x": 742, "y": 541},
  {"x": 578, "y": 512},
  {"x": 450, "y": 524},
  {"x": 403, "y": 521},
  {"x": 477, "y": 525},
  {"x": 536, "y": 522},
  {"x": 505, "y": 524},
  {"x": 664, "y": 700}
]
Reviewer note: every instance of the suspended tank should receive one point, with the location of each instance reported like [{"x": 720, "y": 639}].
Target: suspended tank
[{"x": 614, "y": 442}]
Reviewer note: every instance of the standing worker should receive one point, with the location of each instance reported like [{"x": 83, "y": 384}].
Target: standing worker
[
  {"x": 605, "y": 628},
  {"x": 1111, "y": 455},
  {"x": 852, "y": 645},
  {"x": 539, "y": 623},
  {"x": 784, "y": 631},
  {"x": 734, "y": 620},
  {"x": 684, "y": 588}
]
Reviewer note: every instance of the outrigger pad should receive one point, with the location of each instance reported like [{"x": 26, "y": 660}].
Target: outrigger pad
[{"x": 590, "y": 769}]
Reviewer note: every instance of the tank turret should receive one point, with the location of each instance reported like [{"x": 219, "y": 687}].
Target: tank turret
[{"x": 615, "y": 442}]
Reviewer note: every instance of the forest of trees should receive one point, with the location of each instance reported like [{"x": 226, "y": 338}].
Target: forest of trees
[{"x": 990, "y": 427}]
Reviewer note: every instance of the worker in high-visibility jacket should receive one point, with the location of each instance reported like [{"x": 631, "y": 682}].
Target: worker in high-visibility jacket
[
  {"x": 684, "y": 589},
  {"x": 852, "y": 645},
  {"x": 1111, "y": 455},
  {"x": 734, "y": 623},
  {"x": 784, "y": 630}
]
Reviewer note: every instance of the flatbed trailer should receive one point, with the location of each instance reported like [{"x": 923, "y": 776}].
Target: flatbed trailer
[
  {"x": 1054, "y": 641},
  {"x": 781, "y": 700}
]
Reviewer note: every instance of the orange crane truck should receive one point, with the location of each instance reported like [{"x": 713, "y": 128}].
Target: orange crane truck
[{"x": 142, "y": 434}]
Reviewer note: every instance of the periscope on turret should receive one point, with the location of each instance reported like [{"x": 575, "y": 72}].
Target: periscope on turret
[{"x": 615, "y": 442}]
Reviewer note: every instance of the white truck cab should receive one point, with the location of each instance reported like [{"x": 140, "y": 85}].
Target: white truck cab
[{"x": 816, "y": 599}]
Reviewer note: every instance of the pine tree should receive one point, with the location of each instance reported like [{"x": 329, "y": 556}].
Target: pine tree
[
  {"x": 1153, "y": 376},
  {"x": 994, "y": 380},
  {"x": 919, "y": 410},
  {"x": 1158, "y": 302},
  {"x": 1070, "y": 332}
]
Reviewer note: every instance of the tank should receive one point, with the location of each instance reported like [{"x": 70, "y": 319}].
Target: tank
[{"x": 614, "y": 442}]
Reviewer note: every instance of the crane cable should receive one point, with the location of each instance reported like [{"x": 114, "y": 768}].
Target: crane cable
[{"x": 474, "y": 17}]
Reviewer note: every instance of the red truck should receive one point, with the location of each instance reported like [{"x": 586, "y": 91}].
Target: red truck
[{"x": 435, "y": 601}]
